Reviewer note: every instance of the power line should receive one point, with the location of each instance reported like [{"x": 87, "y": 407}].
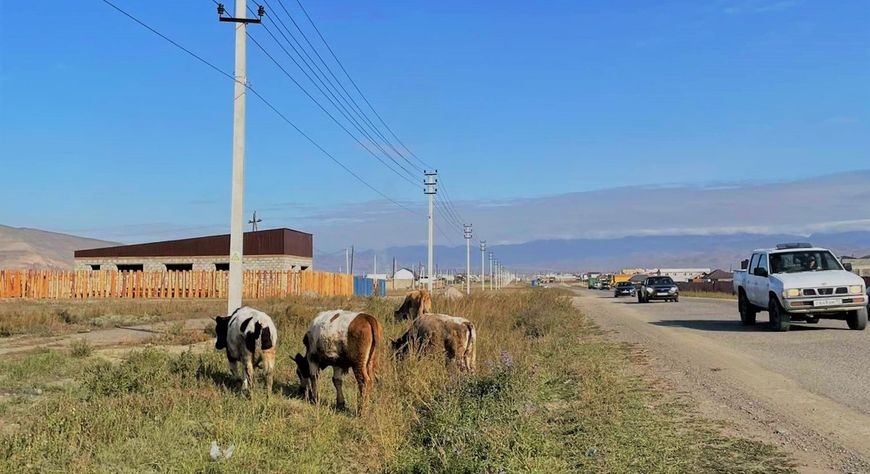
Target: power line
[
  {"x": 451, "y": 208},
  {"x": 263, "y": 99},
  {"x": 286, "y": 73},
  {"x": 356, "y": 87},
  {"x": 328, "y": 93},
  {"x": 341, "y": 85}
]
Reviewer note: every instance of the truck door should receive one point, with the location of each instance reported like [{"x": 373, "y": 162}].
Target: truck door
[
  {"x": 752, "y": 280},
  {"x": 763, "y": 284}
]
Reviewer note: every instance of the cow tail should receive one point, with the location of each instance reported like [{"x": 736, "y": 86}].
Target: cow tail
[
  {"x": 470, "y": 349},
  {"x": 266, "y": 339},
  {"x": 251, "y": 337},
  {"x": 372, "y": 364}
]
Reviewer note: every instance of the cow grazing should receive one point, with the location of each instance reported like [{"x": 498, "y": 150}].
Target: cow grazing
[
  {"x": 249, "y": 336},
  {"x": 416, "y": 303},
  {"x": 440, "y": 333},
  {"x": 344, "y": 340}
]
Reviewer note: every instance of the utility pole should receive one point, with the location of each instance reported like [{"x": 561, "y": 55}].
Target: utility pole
[
  {"x": 490, "y": 272},
  {"x": 482, "y": 265},
  {"x": 346, "y": 261},
  {"x": 431, "y": 181},
  {"x": 254, "y": 221},
  {"x": 466, "y": 230},
  {"x": 237, "y": 207},
  {"x": 351, "y": 259}
]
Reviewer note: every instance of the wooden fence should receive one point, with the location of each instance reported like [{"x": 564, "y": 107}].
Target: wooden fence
[
  {"x": 182, "y": 284},
  {"x": 707, "y": 286}
]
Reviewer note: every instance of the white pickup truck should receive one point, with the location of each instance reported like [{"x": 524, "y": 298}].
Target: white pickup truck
[{"x": 799, "y": 282}]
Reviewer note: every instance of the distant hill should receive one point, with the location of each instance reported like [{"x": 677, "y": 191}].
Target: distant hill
[
  {"x": 39, "y": 249},
  {"x": 713, "y": 251}
]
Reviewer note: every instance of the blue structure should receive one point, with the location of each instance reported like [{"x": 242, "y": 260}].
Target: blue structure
[{"x": 363, "y": 286}]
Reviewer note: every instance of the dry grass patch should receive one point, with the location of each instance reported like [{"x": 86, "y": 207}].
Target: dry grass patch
[{"x": 550, "y": 395}]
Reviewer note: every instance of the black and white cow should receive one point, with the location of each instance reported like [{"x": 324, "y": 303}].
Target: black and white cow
[{"x": 249, "y": 337}]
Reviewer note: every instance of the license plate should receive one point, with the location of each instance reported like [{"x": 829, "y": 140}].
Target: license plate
[
  {"x": 664, "y": 293},
  {"x": 829, "y": 302}
]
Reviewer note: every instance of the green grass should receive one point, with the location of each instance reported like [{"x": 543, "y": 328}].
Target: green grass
[{"x": 550, "y": 395}]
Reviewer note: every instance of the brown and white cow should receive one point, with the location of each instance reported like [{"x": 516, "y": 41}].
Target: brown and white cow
[
  {"x": 453, "y": 336},
  {"x": 344, "y": 340},
  {"x": 416, "y": 303}
]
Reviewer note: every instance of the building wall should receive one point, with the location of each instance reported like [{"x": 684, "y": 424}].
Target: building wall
[
  {"x": 860, "y": 266},
  {"x": 151, "y": 264}
]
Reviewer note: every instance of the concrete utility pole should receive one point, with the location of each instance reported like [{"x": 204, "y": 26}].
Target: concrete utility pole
[
  {"x": 482, "y": 265},
  {"x": 254, "y": 221},
  {"x": 237, "y": 207},
  {"x": 466, "y": 230},
  {"x": 490, "y": 272},
  {"x": 431, "y": 181}
]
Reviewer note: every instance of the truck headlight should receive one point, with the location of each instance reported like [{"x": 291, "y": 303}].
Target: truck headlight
[
  {"x": 856, "y": 289},
  {"x": 650, "y": 290},
  {"x": 792, "y": 293},
  {"x": 673, "y": 290}
]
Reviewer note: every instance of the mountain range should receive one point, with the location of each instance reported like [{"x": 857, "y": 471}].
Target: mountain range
[
  {"x": 39, "y": 249},
  {"x": 704, "y": 251}
]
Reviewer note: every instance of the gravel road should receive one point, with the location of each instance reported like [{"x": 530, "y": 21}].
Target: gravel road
[{"x": 807, "y": 390}]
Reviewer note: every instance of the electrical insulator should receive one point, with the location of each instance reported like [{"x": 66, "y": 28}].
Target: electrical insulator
[
  {"x": 261, "y": 11},
  {"x": 221, "y": 9}
]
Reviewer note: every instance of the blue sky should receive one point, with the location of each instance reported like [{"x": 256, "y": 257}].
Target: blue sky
[{"x": 108, "y": 131}]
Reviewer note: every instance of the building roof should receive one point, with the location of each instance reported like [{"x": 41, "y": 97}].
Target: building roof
[
  {"x": 264, "y": 242},
  {"x": 719, "y": 274}
]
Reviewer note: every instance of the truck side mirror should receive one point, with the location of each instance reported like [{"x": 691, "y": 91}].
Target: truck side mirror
[
  {"x": 848, "y": 267},
  {"x": 744, "y": 264},
  {"x": 760, "y": 272}
]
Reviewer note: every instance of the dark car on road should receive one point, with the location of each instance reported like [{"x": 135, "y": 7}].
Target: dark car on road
[
  {"x": 658, "y": 288},
  {"x": 624, "y": 288}
]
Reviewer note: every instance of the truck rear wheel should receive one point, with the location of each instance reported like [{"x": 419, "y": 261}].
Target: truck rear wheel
[
  {"x": 747, "y": 312},
  {"x": 779, "y": 318},
  {"x": 857, "y": 320}
]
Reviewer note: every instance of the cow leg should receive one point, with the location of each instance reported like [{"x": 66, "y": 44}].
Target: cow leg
[
  {"x": 234, "y": 368},
  {"x": 337, "y": 375},
  {"x": 364, "y": 383},
  {"x": 248, "y": 383},
  {"x": 312, "y": 382},
  {"x": 268, "y": 359}
]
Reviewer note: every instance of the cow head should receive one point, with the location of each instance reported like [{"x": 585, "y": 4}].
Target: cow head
[
  {"x": 303, "y": 371},
  {"x": 221, "y": 324}
]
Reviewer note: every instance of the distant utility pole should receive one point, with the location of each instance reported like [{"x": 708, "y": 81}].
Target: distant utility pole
[
  {"x": 237, "y": 207},
  {"x": 482, "y": 265},
  {"x": 346, "y": 261},
  {"x": 431, "y": 181},
  {"x": 466, "y": 231},
  {"x": 254, "y": 221},
  {"x": 490, "y": 272}
]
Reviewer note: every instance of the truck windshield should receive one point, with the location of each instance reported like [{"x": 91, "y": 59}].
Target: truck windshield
[{"x": 803, "y": 261}]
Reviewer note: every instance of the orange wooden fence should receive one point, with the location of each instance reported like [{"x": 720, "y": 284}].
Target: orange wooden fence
[{"x": 183, "y": 284}]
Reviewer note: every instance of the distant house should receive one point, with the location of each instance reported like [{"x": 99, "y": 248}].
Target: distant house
[
  {"x": 860, "y": 266},
  {"x": 682, "y": 274},
  {"x": 718, "y": 275},
  {"x": 404, "y": 278},
  {"x": 638, "y": 279}
]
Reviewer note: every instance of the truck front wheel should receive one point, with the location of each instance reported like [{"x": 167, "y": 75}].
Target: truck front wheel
[
  {"x": 857, "y": 320},
  {"x": 779, "y": 318},
  {"x": 747, "y": 312}
]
